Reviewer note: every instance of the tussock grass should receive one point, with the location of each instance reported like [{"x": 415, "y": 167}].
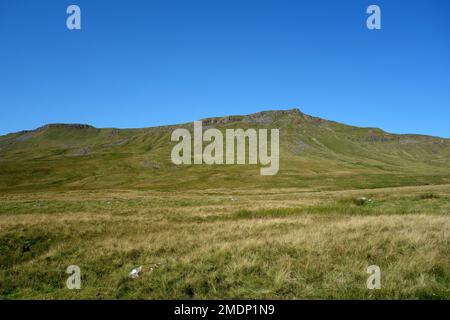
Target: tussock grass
[
  {"x": 428, "y": 195},
  {"x": 268, "y": 243}
]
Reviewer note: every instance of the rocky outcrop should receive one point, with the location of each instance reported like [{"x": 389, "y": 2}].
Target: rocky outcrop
[{"x": 65, "y": 126}]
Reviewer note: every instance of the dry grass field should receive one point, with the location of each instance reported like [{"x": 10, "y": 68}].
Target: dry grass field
[{"x": 264, "y": 243}]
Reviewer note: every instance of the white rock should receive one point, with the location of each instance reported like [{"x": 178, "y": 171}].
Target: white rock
[{"x": 135, "y": 272}]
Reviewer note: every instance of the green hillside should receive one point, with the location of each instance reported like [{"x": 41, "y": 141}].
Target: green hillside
[
  {"x": 109, "y": 200},
  {"x": 315, "y": 154}
]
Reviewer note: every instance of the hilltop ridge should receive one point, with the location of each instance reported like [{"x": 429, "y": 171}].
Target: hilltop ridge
[
  {"x": 314, "y": 154},
  {"x": 262, "y": 117}
]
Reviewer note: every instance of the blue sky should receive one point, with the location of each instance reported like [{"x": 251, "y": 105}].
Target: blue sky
[{"x": 146, "y": 63}]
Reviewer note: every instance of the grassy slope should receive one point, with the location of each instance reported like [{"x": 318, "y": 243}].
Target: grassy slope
[
  {"x": 109, "y": 200},
  {"x": 315, "y": 154}
]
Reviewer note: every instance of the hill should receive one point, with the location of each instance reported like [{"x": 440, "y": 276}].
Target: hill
[
  {"x": 315, "y": 154},
  {"x": 110, "y": 200}
]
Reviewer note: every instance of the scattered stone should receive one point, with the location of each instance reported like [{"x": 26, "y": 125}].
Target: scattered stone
[
  {"x": 362, "y": 201},
  {"x": 135, "y": 273}
]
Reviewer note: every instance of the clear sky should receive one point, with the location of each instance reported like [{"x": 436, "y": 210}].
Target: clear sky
[{"x": 145, "y": 63}]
